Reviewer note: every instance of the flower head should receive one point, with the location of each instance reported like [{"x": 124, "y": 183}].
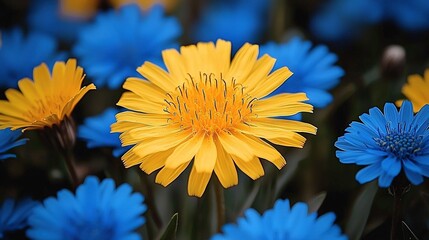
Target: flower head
[
  {"x": 282, "y": 222},
  {"x": 334, "y": 21},
  {"x": 97, "y": 211},
  {"x": 234, "y": 23},
  {"x": 20, "y": 53},
  {"x": 9, "y": 140},
  {"x": 14, "y": 214},
  {"x": 416, "y": 90},
  {"x": 47, "y": 100},
  {"x": 209, "y": 109},
  {"x": 169, "y": 5},
  {"x": 78, "y": 8},
  {"x": 96, "y": 131},
  {"x": 118, "y": 42},
  {"x": 313, "y": 70},
  {"x": 46, "y": 16},
  {"x": 388, "y": 143}
]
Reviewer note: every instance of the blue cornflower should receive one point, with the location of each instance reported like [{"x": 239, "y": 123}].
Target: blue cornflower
[
  {"x": 8, "y": 140},
  {"x": 388, "y": 143},
  {"x": 118, "y": 42},
  {"x": 283, "y": 222},
  {"x": 19, "y": 54},
  {"x": 235, "y": 21},
  {"x": 97, "y": 211},
  {"x": 96, "y": 132},
  {"x": 45, "y": 16},
  {"x": 14, "y": 214},
  {"x": 345, "y": 19},
  {"x": 313, "y": 69}
]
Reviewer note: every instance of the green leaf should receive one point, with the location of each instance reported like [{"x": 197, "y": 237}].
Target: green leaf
[
  {"x": 170, "y": 231},
  {"x": 360, "y": 211},
  {"x": 315, "y": 203}
]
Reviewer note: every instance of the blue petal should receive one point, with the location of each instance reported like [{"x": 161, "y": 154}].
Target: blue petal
[{"x": 369, "y": 173}]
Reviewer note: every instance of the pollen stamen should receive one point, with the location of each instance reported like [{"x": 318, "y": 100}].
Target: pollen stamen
[{"x": 196, "y": 104}]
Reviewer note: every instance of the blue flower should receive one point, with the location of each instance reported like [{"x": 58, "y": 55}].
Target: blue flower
[
  {"x": 45, "y": 16},
  {"x": 388, "y": 143},
  {"x": 96, "y": 131},
  {"x": 97, "y": 211},
  {"x": 313, "y": 69},
  {"x": 235, "y": 21},
  {"x": 118, "y": 42},
  {"x": 19, "y": 54},
  {"x": 13, "y": 215},
  {"x": 282, "y": 222},
  {"x": 346, "y": 19},
  {"x": 8, "y": 140}
]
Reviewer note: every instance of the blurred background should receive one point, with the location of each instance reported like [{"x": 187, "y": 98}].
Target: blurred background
[{"x": 372, "y": 45}]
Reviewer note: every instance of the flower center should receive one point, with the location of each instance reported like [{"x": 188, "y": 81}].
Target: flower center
[
  {"x": 402, "y": 144},
  {"x": 209, "y": 104}
]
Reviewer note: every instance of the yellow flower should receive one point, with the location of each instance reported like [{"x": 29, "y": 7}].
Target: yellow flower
[
  {"x": 416, "y": 90},
  {"x": 169, "y": 5},
  {"x": 209, "y": 109},
  {"x": 83, "y": 9},
  {"x": 46, "y": 101}
]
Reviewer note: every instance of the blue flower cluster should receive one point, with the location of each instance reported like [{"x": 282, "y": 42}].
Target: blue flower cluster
[
  {"x": 344, "y": 19},
  {"x": 8, "y": 140},
  {"x": 282, "y": 222},
  {"x": 111, "y": 48},
  {"x": 98, "y": 211},
  {"x": 20, "y": 53},
  {"x": 313, "y": 69},
  {"x": 96, "y": 132},
  {"x": 388, "y": 143},
  {"x": 14, "y": 214},
  {"x": 237, "y": 21},
  {"x": 45, "y": 16}
]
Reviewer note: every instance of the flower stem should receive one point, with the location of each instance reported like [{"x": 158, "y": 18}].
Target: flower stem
[
  {"x": 148, "y": 192},
  {"x": 68, "y": 156},
  {"x": 220, "y": 204},
  {"x": 399, "y": 187}
]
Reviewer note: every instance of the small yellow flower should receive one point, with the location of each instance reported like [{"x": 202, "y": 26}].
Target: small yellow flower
[
  {"x": 47, "y": 100},
  {"x": 209, "y": 109},
  {"x": 83, "y": 9},
  {"x": 416, "y": 90},
  {"x": 169, "y": 5}
]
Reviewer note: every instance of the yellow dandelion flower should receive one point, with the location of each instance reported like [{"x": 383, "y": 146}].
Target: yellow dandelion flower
[
  {"x": 169, "y": 5},
  {"x": 79, "y": 8},
  {"x": 210, "y": 109},
  {"x": 47, "y": 100},
  {"x": 416, "y": 90}
]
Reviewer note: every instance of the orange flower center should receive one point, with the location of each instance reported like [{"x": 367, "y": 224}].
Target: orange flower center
[{"x": 210, "y": 104}]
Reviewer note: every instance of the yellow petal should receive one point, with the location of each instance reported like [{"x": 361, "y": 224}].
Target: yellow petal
[
  {"x": 235, "y": 146},
  {"x": 263, "y": 150},
  {"x": 243, "y": 63},
  {"x": 260, "y": 71},
  {"x": 205, "y": 158},
  {"x": 174, "y": 63},
  {"x": 167, "y": 175},
  {"x": 155, "y": 161},
  {"x": 134, "y": 102},
  {"x": 154, "y": 145},
  {"x": 290, "y": 125},
  {"x": 225, "y": 168},
  {"x": 185, "y": 151},
  {"x": 252, "y": 168},
  {"x": 144, "y": 89},
  {"x": 271, "y": 83},
  {"x": 197, "y": 182},
  {"x": 157, "y": 76}
]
